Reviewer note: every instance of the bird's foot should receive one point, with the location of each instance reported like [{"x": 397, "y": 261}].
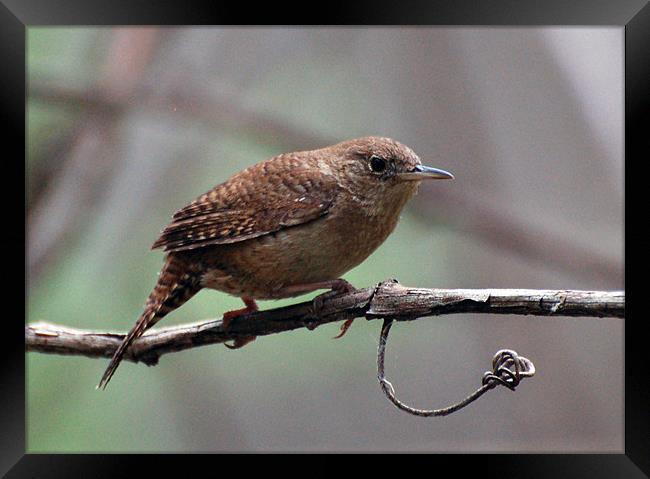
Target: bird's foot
[
  {"x": 251, "y": 307},
  {"x": 339, "y": 287},
  {"x": 336, "y": 287}
]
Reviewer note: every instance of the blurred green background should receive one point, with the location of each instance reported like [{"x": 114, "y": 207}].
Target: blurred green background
[{"x": 126, "y": 125}]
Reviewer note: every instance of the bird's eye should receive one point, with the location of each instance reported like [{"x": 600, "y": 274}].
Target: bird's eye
[{"x": 377, "y": 164}]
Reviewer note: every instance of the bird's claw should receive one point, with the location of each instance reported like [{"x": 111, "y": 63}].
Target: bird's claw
[
  {"x": 240, "y": 342},
  {"x": 344, "y": 328}
]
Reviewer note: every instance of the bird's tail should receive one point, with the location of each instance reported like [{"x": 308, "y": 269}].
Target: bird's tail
[{"x": 176, "y": 284}]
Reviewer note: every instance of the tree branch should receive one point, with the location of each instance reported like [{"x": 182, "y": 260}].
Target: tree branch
[{"x": 389, "y": 299}]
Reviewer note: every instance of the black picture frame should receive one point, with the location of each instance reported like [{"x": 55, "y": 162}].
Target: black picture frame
[{"x": 17, "y": 15}]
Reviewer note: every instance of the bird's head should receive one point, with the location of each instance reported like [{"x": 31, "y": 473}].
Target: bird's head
[{"x": 382, "y": 173}]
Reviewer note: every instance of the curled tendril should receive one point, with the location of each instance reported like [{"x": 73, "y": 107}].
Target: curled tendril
[
  {"x": 508, "y": 369},
  {"x": 502, "y": 369}
]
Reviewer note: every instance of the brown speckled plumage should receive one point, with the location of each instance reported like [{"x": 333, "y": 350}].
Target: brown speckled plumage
[{"x": 282, "y": 227}]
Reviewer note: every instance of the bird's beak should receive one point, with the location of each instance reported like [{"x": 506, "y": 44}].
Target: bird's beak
[{"x": 421, "y": 172}]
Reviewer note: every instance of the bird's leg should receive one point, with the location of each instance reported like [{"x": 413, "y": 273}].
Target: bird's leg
[
  {"x": 336, "y": 286},
  {"x": 251, "y": 307},
  {"x": 339, "y": 286}
]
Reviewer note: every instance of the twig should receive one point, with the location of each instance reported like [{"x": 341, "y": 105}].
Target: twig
[
  {"x": 388, "y": 300},
  {"x": 508, "y": 369}
]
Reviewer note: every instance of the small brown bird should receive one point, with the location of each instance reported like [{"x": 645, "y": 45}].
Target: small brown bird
[{"x": 284, "y": 227}]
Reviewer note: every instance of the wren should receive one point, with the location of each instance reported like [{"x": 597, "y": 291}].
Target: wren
[{"x": 289, "y": 225}]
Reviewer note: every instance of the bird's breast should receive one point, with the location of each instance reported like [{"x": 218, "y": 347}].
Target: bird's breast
[{"x": 320, "y": 250}]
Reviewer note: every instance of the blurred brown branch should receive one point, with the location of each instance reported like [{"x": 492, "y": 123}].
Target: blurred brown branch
[
  {"x": 87, "y": 166},
  {"x": 387, "y": 300},
  {"x": 486, "y": 222}
]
